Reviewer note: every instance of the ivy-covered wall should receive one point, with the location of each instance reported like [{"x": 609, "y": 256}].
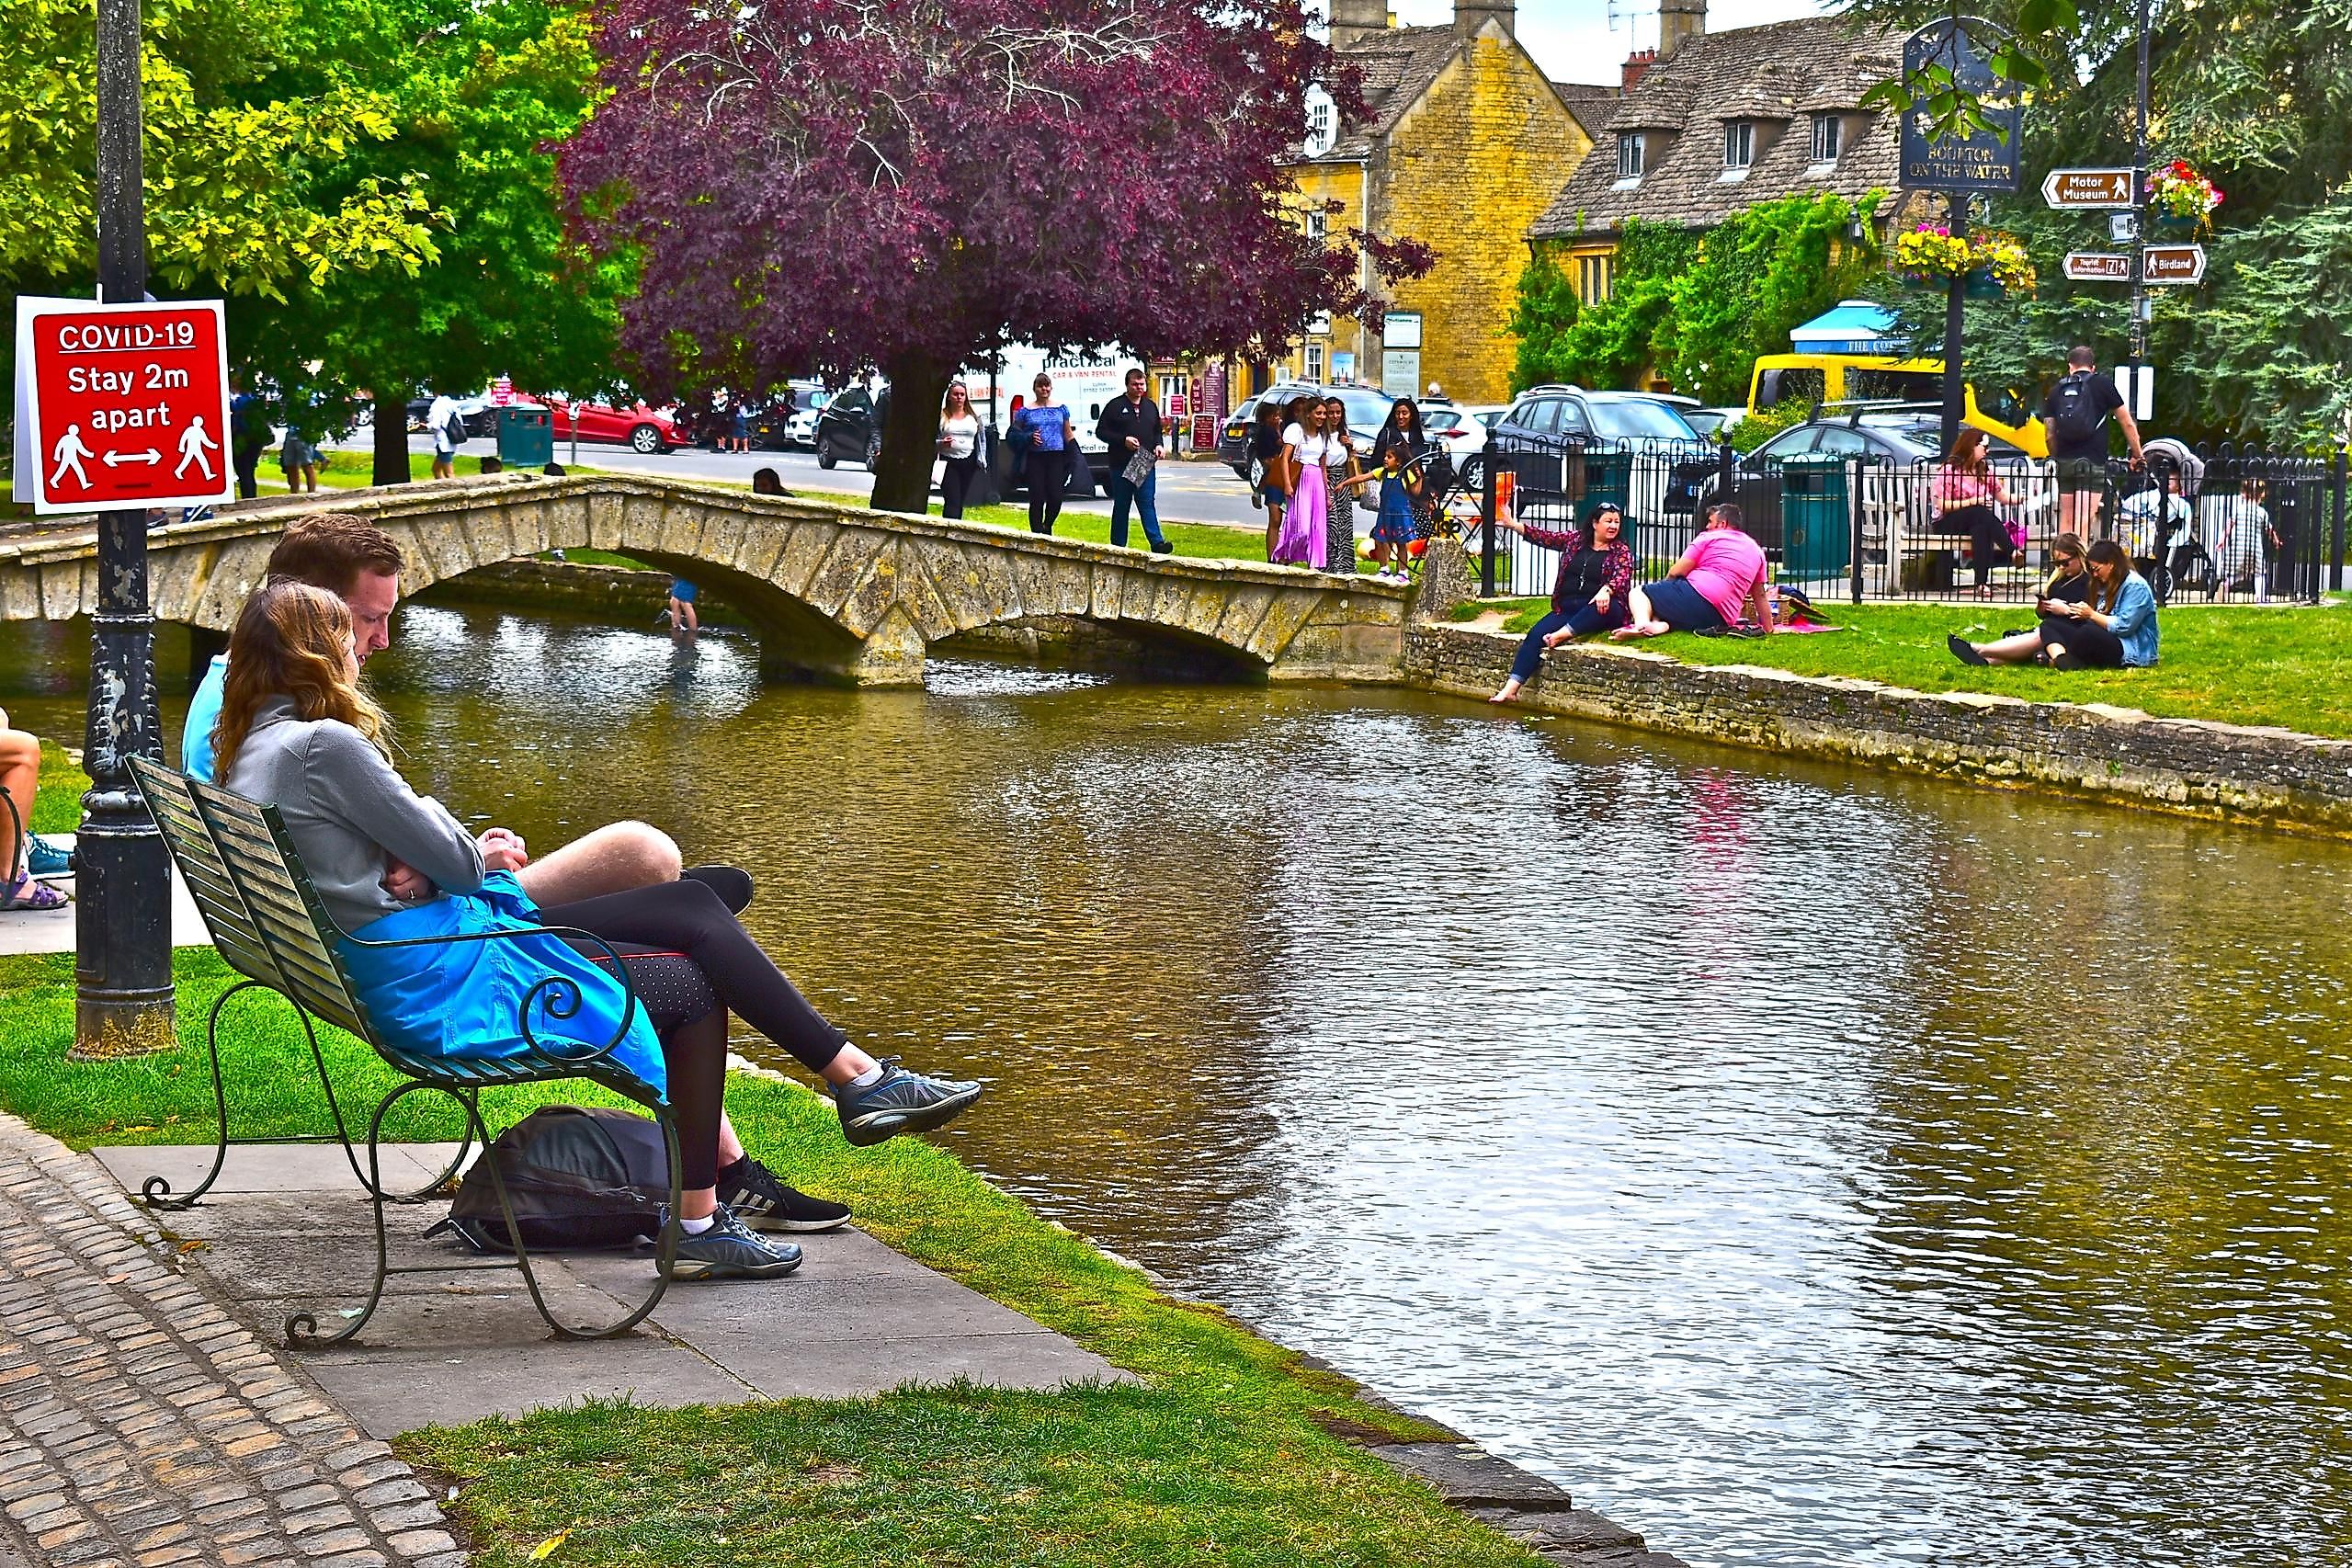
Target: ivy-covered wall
[{"x": 1692, "y": 310}]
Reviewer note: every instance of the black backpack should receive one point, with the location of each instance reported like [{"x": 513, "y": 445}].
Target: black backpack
[
  {"x": 577, "y": 1177},
  {"x": 2074, "y": 419}
]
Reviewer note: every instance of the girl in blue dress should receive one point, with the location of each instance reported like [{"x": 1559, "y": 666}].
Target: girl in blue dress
[{"x": 1395, "y": 527}]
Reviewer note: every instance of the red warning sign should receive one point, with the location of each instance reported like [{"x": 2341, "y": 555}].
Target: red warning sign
[{"x": 121, "y": 405}]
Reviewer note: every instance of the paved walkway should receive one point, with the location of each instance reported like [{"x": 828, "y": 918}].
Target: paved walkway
[
  {"x": 286, "y": 1228},
  {"x": 51, "y": 931},
  {"x": 141, "y": 1423}
]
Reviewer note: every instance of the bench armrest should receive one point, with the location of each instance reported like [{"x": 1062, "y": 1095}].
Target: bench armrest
[{"x": 563, "y": 994}]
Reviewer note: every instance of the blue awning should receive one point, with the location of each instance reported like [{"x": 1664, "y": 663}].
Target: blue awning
[{"x": 1853, "y": 326}]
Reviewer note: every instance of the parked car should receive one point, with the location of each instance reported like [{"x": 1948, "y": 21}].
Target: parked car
[
  {"x": 1463, "y": 432},
  {"x": 850, "y": 427},
  {"x": 1547, "y": 428},
  {"x": 635, "y": 425},
  {"x": 1713, "y": 423}
]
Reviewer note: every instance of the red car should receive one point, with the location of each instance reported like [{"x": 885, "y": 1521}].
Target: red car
[{"x": 636, "y": 427}]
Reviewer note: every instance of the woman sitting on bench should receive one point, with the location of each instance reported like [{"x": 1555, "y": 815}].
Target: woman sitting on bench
[{"x": 296, "y": 732}]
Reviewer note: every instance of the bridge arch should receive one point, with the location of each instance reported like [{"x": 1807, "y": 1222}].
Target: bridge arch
[{"x": 843, "y": 592}]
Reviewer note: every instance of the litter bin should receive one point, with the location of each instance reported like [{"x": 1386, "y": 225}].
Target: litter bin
[
  {"x": 526, "y": 438},
  {"x": 1816, "y": 530},
  {"x": 1608, "y": 476}
]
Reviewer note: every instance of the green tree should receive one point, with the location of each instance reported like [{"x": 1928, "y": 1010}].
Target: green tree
[
  {"x": 1540, "y": 320},
  {"x": 475, "y": 98}
]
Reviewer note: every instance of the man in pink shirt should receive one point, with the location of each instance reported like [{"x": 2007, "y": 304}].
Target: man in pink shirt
[{"x": 1720, "y": 578}]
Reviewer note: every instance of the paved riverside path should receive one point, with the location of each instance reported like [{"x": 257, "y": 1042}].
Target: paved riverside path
[
  {"x": 141, "y": 1426},
  {"x": 287, "y": 1229}
]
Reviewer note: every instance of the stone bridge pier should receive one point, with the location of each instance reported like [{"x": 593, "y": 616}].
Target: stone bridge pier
[{"x": 834, "y": 590}]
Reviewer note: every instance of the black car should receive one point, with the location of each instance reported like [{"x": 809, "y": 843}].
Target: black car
[
  {"x": 1545, "y": 426},
  {"x": 850, "y": 427}
]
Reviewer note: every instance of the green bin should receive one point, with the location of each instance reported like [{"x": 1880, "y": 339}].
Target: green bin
[
  {"x": 1816, "y": 531},
  {"x": 1608, "y": 476},
  {"x": 526, "y": 438}
]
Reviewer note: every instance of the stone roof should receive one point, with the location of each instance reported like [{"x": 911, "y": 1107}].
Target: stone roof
[
  {"x": 1395, "y": 66},
  {"x": 1591, "y": 102},
  {"x": 1783, "y": 72}
]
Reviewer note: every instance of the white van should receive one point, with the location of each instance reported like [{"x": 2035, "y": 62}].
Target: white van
[{"x": 1083, "y": 382}]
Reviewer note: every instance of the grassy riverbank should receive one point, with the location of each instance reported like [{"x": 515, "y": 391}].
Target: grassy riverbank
[
  {"x": 1224, "y": 1454},
  {"x": 2240, "y": 664}
]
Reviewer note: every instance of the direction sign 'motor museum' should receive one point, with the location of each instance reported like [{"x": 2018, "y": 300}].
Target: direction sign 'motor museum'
[{"x": 121, "y": 405}]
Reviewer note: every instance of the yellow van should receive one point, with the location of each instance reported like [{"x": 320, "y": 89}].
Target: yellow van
[{"x": 1812, "y": 378}]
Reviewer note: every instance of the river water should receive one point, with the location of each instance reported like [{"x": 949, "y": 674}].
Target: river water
[{"x": 1806, "y": 1166}]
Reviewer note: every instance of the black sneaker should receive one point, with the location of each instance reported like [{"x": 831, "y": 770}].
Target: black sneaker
[
  {"x": 753, "y": 1195},
  {"x": 728, "y": 1251},
  {"x": 1166, "y": 547},
  {"x": 900, "y": 1101}
]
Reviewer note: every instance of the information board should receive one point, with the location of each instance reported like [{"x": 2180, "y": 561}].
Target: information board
[{"x": 1985, "y": 159}]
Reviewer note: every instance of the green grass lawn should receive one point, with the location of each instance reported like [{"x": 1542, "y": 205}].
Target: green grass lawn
[
  {"x": 2241, "y": 665},
  {"x": 1230, "y": 1451}
]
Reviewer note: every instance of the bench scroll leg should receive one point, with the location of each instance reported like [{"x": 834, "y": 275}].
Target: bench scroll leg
[
  {"x": 155, "y": 1192},
  {"x": 302, "y": 1328}
]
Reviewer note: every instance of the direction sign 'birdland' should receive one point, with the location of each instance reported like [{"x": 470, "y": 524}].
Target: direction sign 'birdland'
[
  {"x": 2173, "y": 264},
  {"x": 2097, "y": 267},
  {"x": 2088, "y": 189},
  {"x": 121, "y": 405}
]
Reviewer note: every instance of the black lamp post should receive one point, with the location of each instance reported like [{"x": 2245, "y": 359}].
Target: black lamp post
[{"x": 123, "y": 970}]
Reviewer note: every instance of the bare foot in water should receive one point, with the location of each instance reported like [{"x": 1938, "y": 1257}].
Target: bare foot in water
[{"x": 1510, "y": 689}]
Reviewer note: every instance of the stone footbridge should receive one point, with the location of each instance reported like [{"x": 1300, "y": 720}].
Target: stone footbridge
[{"x": 834, "y": 590}]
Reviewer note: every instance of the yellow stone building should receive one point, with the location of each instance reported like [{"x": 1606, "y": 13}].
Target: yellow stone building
[{"x": 1461, "y": 143}]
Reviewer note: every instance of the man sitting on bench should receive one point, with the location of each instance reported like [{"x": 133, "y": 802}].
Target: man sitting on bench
[{"x": 360, "y": 564}]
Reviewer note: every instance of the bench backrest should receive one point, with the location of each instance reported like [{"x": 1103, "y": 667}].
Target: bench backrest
[{"x": 266, "y": 918}]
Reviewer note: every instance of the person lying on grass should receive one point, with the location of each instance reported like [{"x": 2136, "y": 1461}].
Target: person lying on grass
[
  {"x": 296, "y": 732},
  {"x": 2113, "y": 627},
  {"x": 1592, "y": 592},
  {"x": 1721, "y": 580}
]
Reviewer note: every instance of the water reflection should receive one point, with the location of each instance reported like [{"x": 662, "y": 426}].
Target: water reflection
[{"x": 1810, "y": 1167}]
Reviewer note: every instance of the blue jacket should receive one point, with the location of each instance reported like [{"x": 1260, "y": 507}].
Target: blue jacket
[
  {"x": 2134, "y": 622},
  {"x": 204, "y": 713},
  {"x": 464, "y": 999}
]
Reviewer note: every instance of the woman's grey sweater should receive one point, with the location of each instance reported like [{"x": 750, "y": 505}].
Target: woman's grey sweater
[{"x": 347, "y": 810}]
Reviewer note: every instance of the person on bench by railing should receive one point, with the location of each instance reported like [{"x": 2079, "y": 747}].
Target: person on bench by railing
[
  {"x": 296, "y": 732},
  {"x": 1966, "y": 492},
  {"x": 360, "y": 563}
]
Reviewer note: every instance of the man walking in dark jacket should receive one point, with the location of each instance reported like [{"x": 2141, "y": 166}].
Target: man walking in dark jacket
[{"x": 1130, "y": 428}]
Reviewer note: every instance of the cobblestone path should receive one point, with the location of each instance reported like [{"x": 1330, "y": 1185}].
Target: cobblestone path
[{"x": 141, "y": 1426}]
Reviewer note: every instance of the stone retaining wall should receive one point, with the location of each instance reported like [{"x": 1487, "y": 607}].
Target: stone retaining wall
[{"x": 2226, "y": 772}]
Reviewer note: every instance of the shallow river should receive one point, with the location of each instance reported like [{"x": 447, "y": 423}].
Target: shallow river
[{"x": 1806, "y": 1166}]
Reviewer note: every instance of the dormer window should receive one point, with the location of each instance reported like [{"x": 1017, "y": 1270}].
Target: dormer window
[
  {"x": 1739, "y": 145},
  {"x": 1631, "y": 150},
  {"x": 1829, "y": 138}
]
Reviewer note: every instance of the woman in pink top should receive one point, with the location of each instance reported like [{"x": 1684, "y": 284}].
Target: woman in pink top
[
  {"x": 1966, "y": 490},
  {"x": 1721, "y": 576}
]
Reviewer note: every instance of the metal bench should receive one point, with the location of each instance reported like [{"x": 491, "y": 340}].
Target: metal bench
[{"x": 268, "y": 923}]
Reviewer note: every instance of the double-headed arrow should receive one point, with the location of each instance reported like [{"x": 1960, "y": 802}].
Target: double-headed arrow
[{"x": 116, "y": 459}]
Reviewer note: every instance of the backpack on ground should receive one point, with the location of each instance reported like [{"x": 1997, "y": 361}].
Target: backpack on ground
[
  {"x": 576, "y": 1177},
  {"x": 2076, "y": 420}
]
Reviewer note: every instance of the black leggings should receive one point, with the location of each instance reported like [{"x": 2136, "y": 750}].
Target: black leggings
[
  {"x": 2086, "y": 640},
  {"x": 1048, "y": 475},
  {"x": 694, "y": 962},
  {"x": 954, "y": 483},
  {"x": 1988, "y": 538}
]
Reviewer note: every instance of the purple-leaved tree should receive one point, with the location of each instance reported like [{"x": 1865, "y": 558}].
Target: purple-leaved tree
[{"x": 910, "y": 184}]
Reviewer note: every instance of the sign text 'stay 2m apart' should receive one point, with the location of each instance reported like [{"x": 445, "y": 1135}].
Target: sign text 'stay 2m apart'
[{"x": 121, "y": 405}]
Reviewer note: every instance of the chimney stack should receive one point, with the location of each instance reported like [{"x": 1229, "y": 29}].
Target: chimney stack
[
  {"x": 1679, "y": 21},
  {"x": 1471, "y": 15},
  {"x": 1637, "y": 65},
  {"x": 1355, "y": 19}
]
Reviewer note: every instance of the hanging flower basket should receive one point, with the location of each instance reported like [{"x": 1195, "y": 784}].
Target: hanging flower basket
[
  {"x": 1928, "y": 254},
  {"x": 1992, "y": 263},
  {"x": 2180, "y": 199},
  {"x": 2001, "y": 260}
]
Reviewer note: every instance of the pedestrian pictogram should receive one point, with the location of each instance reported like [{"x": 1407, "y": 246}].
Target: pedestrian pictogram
[
  {"x": 2088, "y": 189},
  {"x": 2173, "y": 264},
  {"x": 120, "y": 405},
  {"x": 2097, "y": 267}
]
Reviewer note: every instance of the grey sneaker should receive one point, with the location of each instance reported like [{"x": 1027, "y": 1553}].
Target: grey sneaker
[
  {"x": 753, "y": 1195},
  {"x": 729, "y": 1251},
  {"x": 900, "y": 1101}
]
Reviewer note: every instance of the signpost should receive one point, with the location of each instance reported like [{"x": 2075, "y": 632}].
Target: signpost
[
  {"x": 124, "y": 406},
  {"x": 2097, "y": 267},
  {"x": 2173, "y": 264},
  {"x": 2089, "y": 189}
]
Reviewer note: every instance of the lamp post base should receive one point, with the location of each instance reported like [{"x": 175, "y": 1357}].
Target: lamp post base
[{"x": 113, "y": 1025}]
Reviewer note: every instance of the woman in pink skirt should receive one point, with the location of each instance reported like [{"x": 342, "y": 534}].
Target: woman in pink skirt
[{"x": 1302, "y": 543}]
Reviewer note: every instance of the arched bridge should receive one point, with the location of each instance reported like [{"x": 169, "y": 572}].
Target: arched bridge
[{"x": 833, "y": 589}]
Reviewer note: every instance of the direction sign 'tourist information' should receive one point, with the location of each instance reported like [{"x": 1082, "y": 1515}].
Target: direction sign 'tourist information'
[
  {"x": 2173, "y": 264},
  {"x": 2097, "y": 267},
  {"x": 2088, "y": 190},
  {"x": 121, "y": 405}
]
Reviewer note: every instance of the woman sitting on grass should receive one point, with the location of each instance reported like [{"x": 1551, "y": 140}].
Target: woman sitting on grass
[
  {"x": 1594, "y": 591},
  {"x": 296, "y": 732},
  {"x": 2113, "y": 627},
  {"x": 1722, "y": 579},
  {"x": 2070, "y": 573}
]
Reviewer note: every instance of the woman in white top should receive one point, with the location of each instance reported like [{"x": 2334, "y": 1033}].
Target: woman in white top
[
  {"x": 959, "y": 445},
  {"x": 1307, "y": 448}
]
